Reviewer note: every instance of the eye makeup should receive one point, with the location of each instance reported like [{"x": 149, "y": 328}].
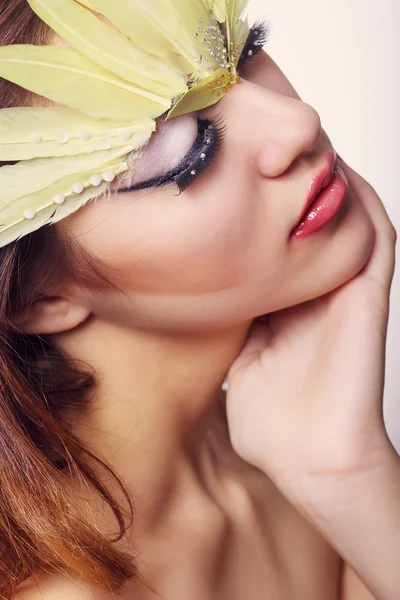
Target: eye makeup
[
  {"x": 258, "y": 36},
  {"x": 210, "y": 133}
]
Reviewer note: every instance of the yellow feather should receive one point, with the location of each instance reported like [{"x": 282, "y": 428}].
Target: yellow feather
[
  {"x": 48, "y": 216},
  {"x": 204, "y": 94},
  {"x": 43, "y": 198},
  {"x": 66, "y": 77},
  {"x": 218, "y": 7},
  {"x": 27, "y": 133},
  {"x": 85, "y": 3},
  {"x": 165, "y": 54},
  {"x": 108, "y": 47},
  {"x": 154, "y": 26},
  {"x": 29, "y": 177}
]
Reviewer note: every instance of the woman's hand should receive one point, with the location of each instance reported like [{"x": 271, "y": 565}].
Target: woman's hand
[{"x": 305, "y": 394}]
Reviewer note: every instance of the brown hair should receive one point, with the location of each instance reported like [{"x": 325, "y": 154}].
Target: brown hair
[{"x": 45, "y": 524}]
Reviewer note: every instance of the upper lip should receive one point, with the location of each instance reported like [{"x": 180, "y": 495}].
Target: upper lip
[{"x": 320, "y": 180}]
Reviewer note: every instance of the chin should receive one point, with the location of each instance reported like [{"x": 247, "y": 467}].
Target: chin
[
  {"x": 350, "y": 248},
  {"x": 338, "y": 256}
]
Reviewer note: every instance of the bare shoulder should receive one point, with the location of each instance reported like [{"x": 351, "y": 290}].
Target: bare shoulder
[
  {"x": 59, "y": 587},
  {"x": 352, "y": 587}
]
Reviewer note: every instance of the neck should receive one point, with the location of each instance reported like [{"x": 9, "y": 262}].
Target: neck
[{"x": 155, "y": 399}]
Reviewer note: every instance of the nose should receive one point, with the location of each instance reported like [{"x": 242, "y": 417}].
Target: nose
[{"x": 275, "y": 129}]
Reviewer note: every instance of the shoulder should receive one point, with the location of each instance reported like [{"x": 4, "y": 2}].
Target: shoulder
[
  {"x": 59, "y": 587},
  {"x": 352, "y": 587}
]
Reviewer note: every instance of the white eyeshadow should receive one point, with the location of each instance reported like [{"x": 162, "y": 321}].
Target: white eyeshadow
[{"x": 165, "y": 150}]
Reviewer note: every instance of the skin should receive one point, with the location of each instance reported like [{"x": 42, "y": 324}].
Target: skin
[{"x": 194, "y": 271}]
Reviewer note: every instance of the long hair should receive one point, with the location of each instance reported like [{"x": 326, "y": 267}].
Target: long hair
[{"x": 45, "y": 523}]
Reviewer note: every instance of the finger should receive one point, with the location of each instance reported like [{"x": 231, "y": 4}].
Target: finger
[
  {"x": 258, "y": 338},
  {"x": 382, "y": 261}
]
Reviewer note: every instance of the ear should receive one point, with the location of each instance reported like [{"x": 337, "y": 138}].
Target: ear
[{"x": 51, "y": 315}]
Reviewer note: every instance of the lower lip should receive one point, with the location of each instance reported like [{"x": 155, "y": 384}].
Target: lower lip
[{"x": 326, "y": 205}]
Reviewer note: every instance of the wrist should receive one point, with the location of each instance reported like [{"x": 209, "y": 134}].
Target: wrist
[
  {"x": 359, "y": 515},
  {"x": 319, "y": 492}
]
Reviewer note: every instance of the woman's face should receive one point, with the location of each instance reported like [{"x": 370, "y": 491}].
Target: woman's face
[{"x": 221, "y": 252}]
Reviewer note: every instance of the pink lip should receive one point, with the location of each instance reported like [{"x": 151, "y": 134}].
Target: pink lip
[
  {"x": 320, "y": 180},
  {"x": 325, "y": 206}
]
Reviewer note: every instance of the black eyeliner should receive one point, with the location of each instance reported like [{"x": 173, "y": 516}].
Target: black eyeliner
[
  {"x": 210, "y": 135},
  {"x": 210, "y": 132}
]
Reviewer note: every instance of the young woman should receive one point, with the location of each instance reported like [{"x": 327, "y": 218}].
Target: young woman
[{"x": 120, "y": 324}]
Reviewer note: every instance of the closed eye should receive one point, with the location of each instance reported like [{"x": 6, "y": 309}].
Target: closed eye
[
  {"x": 210, "y": 133},
  {"x": 210, "y": 136}
]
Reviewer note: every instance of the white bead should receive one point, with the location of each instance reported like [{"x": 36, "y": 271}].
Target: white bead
[
  {"x": 35, "y": 138},
  {"x": 59, "y": 198},
  {"x": 202, "y": 156},
  {"x": 250, "y": 53},
  {"x": 106, "y": 144},
  {"x": 78, "y": 188},
  {"x": 29, "y": 213},
  {"x": 109, "y": 176},
  {"x": 95, "y": 180},
  {"x": 125, "y": 134},
  {"x": 193, "y": 172},
  {"x": 225, "y": 386},
  {"x": 63, "y": 138},
  {"x": 85, "y": 136}
]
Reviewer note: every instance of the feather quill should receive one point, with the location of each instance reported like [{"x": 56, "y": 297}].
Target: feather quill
[
  {"x": 49, "y": 216},
  {"x": 85, "y": 3},
  {"x": 18, "y": 126},
  {"x": 43, "y": 198},
  {"x": 14, "y": 225},
  {"x": 28, "y": 177},
  {"x": 68, "y": 78}
]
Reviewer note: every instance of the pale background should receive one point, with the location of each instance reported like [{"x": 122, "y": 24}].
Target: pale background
[{"x": 343, "y": 58}]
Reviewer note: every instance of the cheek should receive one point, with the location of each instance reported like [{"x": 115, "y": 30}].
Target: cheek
[{"x": 161, "y": 243}]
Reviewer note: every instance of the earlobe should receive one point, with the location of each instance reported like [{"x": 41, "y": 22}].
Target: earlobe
[{"x": 51, "y": 315}]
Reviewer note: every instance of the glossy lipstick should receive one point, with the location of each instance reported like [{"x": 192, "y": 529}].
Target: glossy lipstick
[{"x": 325, "y": 206}]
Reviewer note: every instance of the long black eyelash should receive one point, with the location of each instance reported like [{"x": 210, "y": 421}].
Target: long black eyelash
[
  {"x": 208, "y": 144},
  {"x": 258, "y": 36},
  {"x": 210, "y": 137}
]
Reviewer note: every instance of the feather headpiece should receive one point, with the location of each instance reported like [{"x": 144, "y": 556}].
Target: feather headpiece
[{"x": 128, "y": 63}]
